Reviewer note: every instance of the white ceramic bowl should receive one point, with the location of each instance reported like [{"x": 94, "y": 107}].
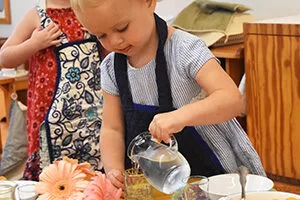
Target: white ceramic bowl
[
  {"x": 268, "y": 195},
  {"x": 228, "y": 184}
]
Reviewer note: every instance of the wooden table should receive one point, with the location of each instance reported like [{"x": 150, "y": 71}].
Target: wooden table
[
  {"x": 9, "y": 85},
  {"x": 157, "y": 195},
  {"x": 234, "y": 60}
]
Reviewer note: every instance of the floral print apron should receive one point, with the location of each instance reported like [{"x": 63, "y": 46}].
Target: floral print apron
[{"x": 72, "y": 124}]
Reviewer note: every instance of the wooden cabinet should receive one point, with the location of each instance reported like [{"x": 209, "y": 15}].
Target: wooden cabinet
[{"x": 272, "y": 65}]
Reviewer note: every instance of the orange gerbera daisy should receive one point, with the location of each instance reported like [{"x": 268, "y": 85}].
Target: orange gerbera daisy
[
  {"x": 84, "y": 167},
  {"x": 62, "y": 180}
]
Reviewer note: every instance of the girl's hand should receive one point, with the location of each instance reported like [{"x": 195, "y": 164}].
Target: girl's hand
[
  {"x": 43, "y": 38},
  {"x": 116, "y": 178},
  {"x": 164, "y": 125}
]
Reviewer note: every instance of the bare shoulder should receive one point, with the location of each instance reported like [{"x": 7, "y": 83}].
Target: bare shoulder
[
  {"x": 31, "y": 19},
  {"x": 33, "y": 14},
  {"x": 24, "y": 28}
]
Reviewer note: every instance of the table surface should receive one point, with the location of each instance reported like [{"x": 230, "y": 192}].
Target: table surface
[
  {"x": 6, "y": 80},
  {"x": 10, "y": 80},
  {"x": 157, "y": 195},
  {"x": 235, "y": 51}
]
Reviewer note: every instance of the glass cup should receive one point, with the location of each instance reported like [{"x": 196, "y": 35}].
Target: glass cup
[
  {"x": 197, "y": 188},
  {"x": 6, "y": 192},
  {"x": 26, "y": 192},
  {"x": 136, "y": 185}
]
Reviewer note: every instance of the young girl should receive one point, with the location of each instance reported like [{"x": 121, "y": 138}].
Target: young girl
[
  {"x": 64, "y": 85},
  {"x": 149, "y": 82}
]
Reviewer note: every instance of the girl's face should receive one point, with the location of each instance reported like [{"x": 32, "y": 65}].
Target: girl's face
[{"x": 123, "y": 26}]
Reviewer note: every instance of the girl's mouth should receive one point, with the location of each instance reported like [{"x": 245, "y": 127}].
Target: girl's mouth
[{"x": 126, "y": 49}]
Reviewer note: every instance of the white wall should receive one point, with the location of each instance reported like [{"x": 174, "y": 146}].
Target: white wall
[
  {"x": 18, "y": 10},
  {"x": 262, "y": 9}
]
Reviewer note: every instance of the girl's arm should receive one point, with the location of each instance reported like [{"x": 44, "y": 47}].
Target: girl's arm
[
  {"x": 112, "y": 142},
  {"x": 224, "y": 100},
  {"x": 223, "y": 103},
  {"x": 27, "y": 39}
]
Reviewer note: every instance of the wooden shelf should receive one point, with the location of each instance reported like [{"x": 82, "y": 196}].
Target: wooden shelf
[
  {"x": 235, "y": 51},
  {"x": 4, "y": 81}
]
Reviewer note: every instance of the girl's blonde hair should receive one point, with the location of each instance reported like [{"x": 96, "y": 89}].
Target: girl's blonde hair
[{"x": 80, "y": 5}]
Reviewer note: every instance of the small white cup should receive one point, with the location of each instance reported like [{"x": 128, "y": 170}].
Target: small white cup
[
  {"x": 26, "y": 192},
  {"x": 7, "y": 189}
]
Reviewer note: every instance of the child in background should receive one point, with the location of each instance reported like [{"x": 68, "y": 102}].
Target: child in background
[
  {"x": 64, "y": 85},
  {"x": 149, "y": 80}
]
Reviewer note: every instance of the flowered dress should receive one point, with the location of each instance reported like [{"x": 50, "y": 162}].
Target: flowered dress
[{"x": 54, "y": 85}]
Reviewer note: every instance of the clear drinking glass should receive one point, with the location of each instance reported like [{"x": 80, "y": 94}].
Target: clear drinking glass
[
  {"x": 136, "y": 185},
  {"x": 26, "y": 192},
  {"x": 197, "y": 188},
  {"x": 6, "y": 192}
]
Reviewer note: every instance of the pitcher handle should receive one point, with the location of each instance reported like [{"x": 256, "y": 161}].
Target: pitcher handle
[
  {"x": 139, "y": 139},
  {"x": 173, "y": 143}
]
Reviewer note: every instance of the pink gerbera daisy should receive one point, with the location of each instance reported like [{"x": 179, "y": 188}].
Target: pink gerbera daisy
[{"x": 102, "y": 189}]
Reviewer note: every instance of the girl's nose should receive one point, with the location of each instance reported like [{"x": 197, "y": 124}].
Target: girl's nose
[{"x": 116, "y": 41}]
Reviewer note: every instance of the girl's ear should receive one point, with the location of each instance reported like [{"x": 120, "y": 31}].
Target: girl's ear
[{"x": 151, "y": 4}]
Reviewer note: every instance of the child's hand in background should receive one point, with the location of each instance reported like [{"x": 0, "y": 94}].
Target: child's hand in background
[
  {"x": 116, "y": 178},
  {"x": 43, "y": 38}
]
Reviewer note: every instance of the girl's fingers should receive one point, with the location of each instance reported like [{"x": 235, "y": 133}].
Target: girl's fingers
[
  {"x": 116, "y": 178},
  {"x": 165, "y": 137},
  {"x": 158, "y": 133},
  {"x": 151, "y": 129},
  {"x": 50, "y": 27},
  {"x": 116, "y": 183},
  {"x": 118, "y": 175},
  {"x": 123, "y": 194},
  {"x": 54, "y": 30},
  {"x": 56, "y": 42},
  {"x": 57, "y": 34}
]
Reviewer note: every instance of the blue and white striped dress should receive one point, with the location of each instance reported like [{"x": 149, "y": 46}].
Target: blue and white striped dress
[{"x": 185, "y": 55}]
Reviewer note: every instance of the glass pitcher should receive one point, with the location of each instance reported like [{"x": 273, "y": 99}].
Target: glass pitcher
[{"x": 163, "y": 166}]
